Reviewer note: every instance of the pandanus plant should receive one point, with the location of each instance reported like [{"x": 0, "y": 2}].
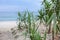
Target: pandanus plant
[
  {"x": 57, "y": 12},
  {"x": 32, "y": 29},
  {"x": 51, "y": 13},
  {"x": 46, "y": 14},
  {"x": 21, "y": 18},
  {"x": 34, "y": 34}
]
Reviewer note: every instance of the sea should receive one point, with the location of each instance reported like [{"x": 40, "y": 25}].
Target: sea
[{"x": 9, "y": 16}]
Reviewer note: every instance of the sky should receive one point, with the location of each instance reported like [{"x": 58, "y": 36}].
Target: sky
[
  {"x": 9, "y": 8},
  {"x": 20, "y": 5}
]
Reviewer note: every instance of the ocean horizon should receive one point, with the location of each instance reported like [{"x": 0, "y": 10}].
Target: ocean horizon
[{"x": 10, "y": 16}]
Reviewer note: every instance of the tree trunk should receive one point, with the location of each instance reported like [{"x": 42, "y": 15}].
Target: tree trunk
[
  {"x": 49, "y": 31},
  {"x": 52, "y": 33}
]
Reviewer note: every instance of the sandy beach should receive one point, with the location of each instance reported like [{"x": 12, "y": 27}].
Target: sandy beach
[
  {"x": 5, "y": 30},
  {"x": 5, "y": 33},
  {"x": 7, "y": 25}
]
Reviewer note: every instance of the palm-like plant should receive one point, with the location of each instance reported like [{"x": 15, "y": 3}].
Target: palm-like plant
[
  {"x": 55, "y": 10},
  {"x": 45, "y": 14},
  {"x": 21, "y": 18},
  {"x": 52, "y": 14},
  {"x": 32, "y": 29}
]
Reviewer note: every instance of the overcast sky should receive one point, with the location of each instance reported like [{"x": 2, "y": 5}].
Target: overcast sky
[{"x": 20, "y": 5}]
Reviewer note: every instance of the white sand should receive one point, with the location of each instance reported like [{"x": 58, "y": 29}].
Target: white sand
[
  {"x": 7, "y": 25},
  {"x": 5, "y": 33}
]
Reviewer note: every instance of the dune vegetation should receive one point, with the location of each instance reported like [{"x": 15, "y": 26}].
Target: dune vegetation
[{"x": 49, "y": 15}]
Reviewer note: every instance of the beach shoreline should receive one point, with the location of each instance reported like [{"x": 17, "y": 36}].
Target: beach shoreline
[{"x": 7, "y": 25}]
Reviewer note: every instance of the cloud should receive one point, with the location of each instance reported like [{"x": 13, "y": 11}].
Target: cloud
[
  {"x": 16, "y": 5},
  {"x": 8, "y": 8}
]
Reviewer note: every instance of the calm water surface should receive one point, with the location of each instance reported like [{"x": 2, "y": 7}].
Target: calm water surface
[{"x": 9, "y": 16}]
